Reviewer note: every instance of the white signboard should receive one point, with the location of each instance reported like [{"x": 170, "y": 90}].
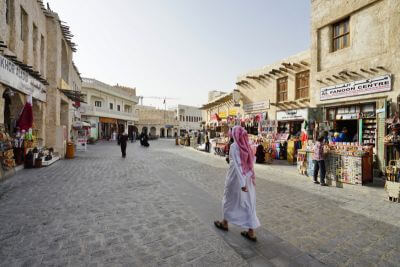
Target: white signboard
[
  {"x": 294, "y": 114},
  {"x": 15, "y": 77},
  {"x": 257, "y": 106},
  {"x": 362, "y": 87}
]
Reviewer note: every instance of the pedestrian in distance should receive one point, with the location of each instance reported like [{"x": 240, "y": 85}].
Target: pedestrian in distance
[
  {"x": 319, "y": 161},
  {"x": 239, "y": 200},
  {"x": 133, "y": 137},
  {"x": 123, "y": 140},
  {"x": 207, "y": 141},
  {"x": 144, "y": 139}
]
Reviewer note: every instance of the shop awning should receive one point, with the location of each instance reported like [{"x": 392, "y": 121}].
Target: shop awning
[
  {"x": 80, "y": 124},
  {"x": 107, "y": 120},
  {"x": 75, "y": 96},
  {"x": 218, "y": 101}
]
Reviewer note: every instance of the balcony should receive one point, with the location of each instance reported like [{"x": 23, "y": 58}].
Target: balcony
[{"x": 89, "y": 110}]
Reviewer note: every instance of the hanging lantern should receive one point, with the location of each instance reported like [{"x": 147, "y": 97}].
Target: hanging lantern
[{"x": 236, "y": 97}]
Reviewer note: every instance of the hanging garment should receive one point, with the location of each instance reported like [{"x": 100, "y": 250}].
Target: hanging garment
[{"x": 25, "y": 120}]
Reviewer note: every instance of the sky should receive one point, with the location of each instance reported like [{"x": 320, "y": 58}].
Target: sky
[{"x": 181, "y": 49}]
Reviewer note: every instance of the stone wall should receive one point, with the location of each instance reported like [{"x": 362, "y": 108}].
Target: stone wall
[
  {"x": 11, "y": 33},
  {"x": 374, "y": 45},
  {"x": 265, "y": 89}
]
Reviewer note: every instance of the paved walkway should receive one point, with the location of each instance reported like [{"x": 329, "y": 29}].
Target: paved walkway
[{"x": 156, "y": 208}]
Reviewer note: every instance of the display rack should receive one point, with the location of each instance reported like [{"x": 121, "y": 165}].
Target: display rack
[{"x": 369, "y": 131}]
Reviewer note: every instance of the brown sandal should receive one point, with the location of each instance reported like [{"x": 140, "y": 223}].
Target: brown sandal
[
  {"x": 220, "y": 225},
  {"x": 247, "y": 235}
]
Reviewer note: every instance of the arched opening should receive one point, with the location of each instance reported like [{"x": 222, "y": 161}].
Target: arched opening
[
  {"x": 145, "y": 130},
  {"x": 153, "y": 131},
  {"x": 169, "y": 132},
  {"x": 162, "y": 132},
  {"x": 135, "y": 130}
]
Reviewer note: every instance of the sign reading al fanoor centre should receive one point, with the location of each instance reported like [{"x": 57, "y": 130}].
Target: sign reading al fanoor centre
[
  {"x": 18, "y": 79},
  {"x": 362, "y": 87}
]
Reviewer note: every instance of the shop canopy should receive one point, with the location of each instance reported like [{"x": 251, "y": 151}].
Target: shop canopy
[{"x": 80, "y": 124}]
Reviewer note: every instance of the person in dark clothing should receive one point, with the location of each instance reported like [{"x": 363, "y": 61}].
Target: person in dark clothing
[
  {"x": 123, "y": 140},
  {"x": 228, "y": 147},
  {"x": 207, "y": 140},
  {"x": 144, "y": 140},
  {"x": 199, "y": 138},
  {"x": 260, "y": 154}
]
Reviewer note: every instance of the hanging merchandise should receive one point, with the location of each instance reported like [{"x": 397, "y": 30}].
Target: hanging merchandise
[{"x": 25, "y": 120}]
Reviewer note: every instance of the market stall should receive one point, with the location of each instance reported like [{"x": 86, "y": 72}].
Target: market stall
[
  {"x": 345, "y": 162},
  {"x": 80, "y": 134}
]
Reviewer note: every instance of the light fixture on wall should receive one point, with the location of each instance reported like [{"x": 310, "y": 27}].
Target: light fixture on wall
[{"x": 236, "y": 97}]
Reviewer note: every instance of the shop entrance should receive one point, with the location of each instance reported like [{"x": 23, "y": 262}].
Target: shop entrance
[
  {"x": 293, "y": 128},
  {"x": 352, "y": 128}
]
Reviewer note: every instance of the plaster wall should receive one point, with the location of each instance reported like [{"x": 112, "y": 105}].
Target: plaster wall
[
  {"x": 374, "y": 46},
  {"x": 265, "y": 89}
]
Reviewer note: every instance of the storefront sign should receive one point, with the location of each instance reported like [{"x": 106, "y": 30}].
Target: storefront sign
[
  {"x": 18, "y": 79},
  {"x": 169, "y": 126},
  {"x": 233, "y": 112},
  {"x": 257, "y": 106},
  {"x": 294, "y": 114},
  {"x": 362, "y": 87},
  {"x": 108, "y": 120},
  {"x": 223, "y": 114}
]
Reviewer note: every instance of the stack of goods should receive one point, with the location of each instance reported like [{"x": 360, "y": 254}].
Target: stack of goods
[
  {"x": 392, "y": 185},
  {"x": 344, "y": 163},
  {"x": 302, "y": 162},
  {"x": 334, "y": 167},
  {"x": 6, "y": 152},
  {"x": 352, "y": 170}
]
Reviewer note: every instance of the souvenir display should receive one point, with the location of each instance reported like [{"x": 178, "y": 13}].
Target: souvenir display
[{"x": 345, "y": 162}]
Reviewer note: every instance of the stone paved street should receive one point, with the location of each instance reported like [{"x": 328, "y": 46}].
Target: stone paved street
[{"x": 156, "y": 208}]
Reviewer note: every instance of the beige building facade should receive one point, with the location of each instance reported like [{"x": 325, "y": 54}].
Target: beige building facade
[
  {"x": 36, "y": 59},
  {"x": 23, "y": 63},
  {"x": 355, "y": 46},
  {"x": 277, "y": 92},
  {"x": 109, "y": 108},
  {"x": 157, "y": 122}
]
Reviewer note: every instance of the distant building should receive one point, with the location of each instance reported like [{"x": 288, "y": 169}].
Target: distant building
[
  {"x": 189, "y": 117},
  {"x": 109, "y": 109},
  {"x": 157, "y": 122},
  {"x": 215, "y": 94}
]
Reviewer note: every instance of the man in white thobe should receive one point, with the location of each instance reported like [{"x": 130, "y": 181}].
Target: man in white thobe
[{"x": 239, "y": 201}]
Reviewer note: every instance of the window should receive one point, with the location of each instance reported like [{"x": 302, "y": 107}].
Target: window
[
  {"x": 341, "y": 35},
  {"x": 180, "y": 117},
  {"x": 119, "y": 107},
  {"x": 34, "y": 45},
  {"x": 282, "y": 92},
  {"x": 42, "y": 54},
  {"x": 187, "y": 118},
  {"x": 24, "y": 24},
  {"x": 97, "y": 104},
  {"x": 111, "y": 106},
  {"x": 8, "y": 13},
  {"x": 302, "y": 84}
]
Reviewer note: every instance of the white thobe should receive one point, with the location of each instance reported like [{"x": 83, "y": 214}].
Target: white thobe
[{"x": 239, "y": 207}]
